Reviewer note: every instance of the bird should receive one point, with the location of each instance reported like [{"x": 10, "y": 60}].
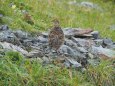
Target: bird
[
  {"x": 56, "y": 36},
  {"x": 28, "y": 18}
]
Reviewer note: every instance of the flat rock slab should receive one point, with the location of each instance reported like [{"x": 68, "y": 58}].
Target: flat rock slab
[
  {"x": 12, "y": 47},
  {"x": 77, "y": 32},
  {"x": 104, "y": 52}
]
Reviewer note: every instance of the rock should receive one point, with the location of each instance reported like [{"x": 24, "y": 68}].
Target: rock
[
  {"x": 98, "y": 42},
  {"x": 45, "y": 60},
  {"x": 83, "y": 42},
  {"x": 84, "y": 36},
  {"x": 8, "y": 36},
  {"x": 36, "y": 59},
  {"x": 27, "y": 43},
  {"x": 111, "y": 47},
  {"x": 45, "y": 34},
  {"x": 12, "y": 47},
  {"x": 64, "y": 49},
  {"x": 59, "y": 59},
  {"x": 112, "y": 27},
  {"x": 88, "y": 4},
  {"x": 75, "y": 52},
  {"x": 82, "y": 50},
  {"x": 90, "y": 55},
  {"x": 4, "y": 27},
  {"x": 69, "y": 32},
  {"x": 103, "y": 51},
  {"x": 35, "y": 53},
  {"x": 27, "y": 40},
  {"x": 80, "y": 55},
  {"x": 84, "y": 61},
  {"x": 74, "y": 63},
  {"x": 21, "y": 34},
  {"x": 70, "y": 43},
  {"x": 67, "y": 64},
  {"x": 93, "y": 62},
  {"x": 42, "y": 39},
  {"x": 1, "y": 15},
  {"x": 107, "y": 42},
  {"x": 105, "y": 57},
  {"x": 95, "y": 34},
  {"x": 1, "y": 47}
]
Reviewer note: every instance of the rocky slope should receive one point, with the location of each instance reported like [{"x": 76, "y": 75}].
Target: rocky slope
[{"x": 81, "y": 46}]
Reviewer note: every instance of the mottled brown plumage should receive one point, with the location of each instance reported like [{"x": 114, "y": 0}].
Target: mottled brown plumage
[{"x": 56, "y": 36}]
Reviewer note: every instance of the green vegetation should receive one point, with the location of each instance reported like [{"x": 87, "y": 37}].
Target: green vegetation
[
  {"x": 43, "y": 11},
  {"x": 15, "y": 70}
]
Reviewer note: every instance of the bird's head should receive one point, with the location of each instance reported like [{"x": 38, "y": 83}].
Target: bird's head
[{"x": 56, "y": 22}]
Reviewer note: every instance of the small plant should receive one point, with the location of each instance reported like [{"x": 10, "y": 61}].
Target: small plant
[
  {"x": 14, "y": 57},
  {"x": 102, "y": 75}
]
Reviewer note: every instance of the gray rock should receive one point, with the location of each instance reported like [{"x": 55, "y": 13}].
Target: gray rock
[
  {"x": 45, "y": 60},
  {"x": 95, "y": 34},
  {"x": 1, "y": 15},
  {"x": 8, "y": 36},
  {"x": 4, "y": 27},
  {"x": 103, "y": 51},
  {"x": 27, "y": 43},
  {"x": 82, "y": 50},
  {"x": 93, "y": 62},
  {"x": 64, "y": 49},
  {"x": 83, "y": 42},
  {"x": 77, "y": 53},
  {"x": 21, "y": 34},
  {"x": 35, "y": 53},
  {"x": 77, "y": 32},
  {"x": 91, "y": 56},
  {"x": 12, "y": 47},
  {"x": 112, "y": 27},
  {"x": 70, "y": 43},
  {"x": 88, "y": 4},
  {"x": 111, "y": 47},
  {"x": 68, "y": 32},
  {"x": 67, "y": 64},
  {"x": 107, "y": 42},
  {"x": 83, "y": 61},
  {"x": 98, "y": 42},
  {"x": 42, "y": 39},
  {"x": 45, "y": 34},
  {"x": 36, "y": 59},
  {"x": 74, "y": 63}
]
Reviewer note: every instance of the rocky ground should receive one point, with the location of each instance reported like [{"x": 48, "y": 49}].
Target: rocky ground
[{"x": 81, "y": 46}]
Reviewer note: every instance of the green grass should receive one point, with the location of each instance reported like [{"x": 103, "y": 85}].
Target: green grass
[
  {"x": 43, "y": 12},
  {"x": 16, "y": 70}
]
